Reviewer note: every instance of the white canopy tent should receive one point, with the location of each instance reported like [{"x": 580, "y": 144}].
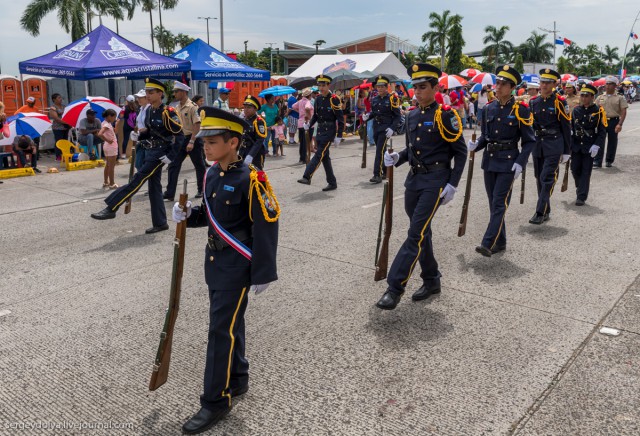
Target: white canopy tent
[{"x": 376, "y": 63}]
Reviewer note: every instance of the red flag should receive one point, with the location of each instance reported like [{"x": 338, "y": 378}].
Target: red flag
[{"x": 567, "y": 41}]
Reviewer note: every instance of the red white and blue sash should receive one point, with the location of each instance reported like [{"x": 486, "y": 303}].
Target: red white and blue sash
[{"x": 224, "y": 234}]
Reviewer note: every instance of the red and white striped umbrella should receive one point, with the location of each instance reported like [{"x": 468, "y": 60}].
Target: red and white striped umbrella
[
  {"x": 77, "y": 110},
  {"x": 452, "y": 81},
  {"x": 32, "y": 124},
  {"x": 470, "y": 72},
  {"x": 484, "y": 78},
  {"x": 568, "y": 78}
]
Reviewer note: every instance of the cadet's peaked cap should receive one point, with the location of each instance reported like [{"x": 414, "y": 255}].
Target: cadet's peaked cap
[
  {"x": 508, "y": 73},
  {"x": 251, "y": 100},
  {"x": 150, "y": 83},
  {"x": 380, "y": 80},
  {"x": 322, "y": 78},
  {"x": 548, "y": 75},
  {"x": 181, "y": 86},
  {"x": 588, "y": 88},
  {"x": 422, "y": 72},
  {"x": 214, "y": 121}
]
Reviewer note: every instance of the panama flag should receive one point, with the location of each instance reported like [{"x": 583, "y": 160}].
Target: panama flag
[
  {"x": 566, "y": 41},
  {"x": 633, "y": 35}
]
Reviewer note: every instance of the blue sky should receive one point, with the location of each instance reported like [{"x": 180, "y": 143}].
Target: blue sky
[{"x": 583, "y": 21}]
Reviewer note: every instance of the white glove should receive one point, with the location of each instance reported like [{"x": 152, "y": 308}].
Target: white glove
[
  {"x": 248, "y": 160},
  {"x": 306, "y": 126},
  {"x": 389, "y": 132},
  {"x": 565, "y": 158},
  {"x": 390, "y": 159},
  {"x": 365, "y": 117},
  {"x": 472, "y": 145},
  {"x": 178, "y": 214},
  {"x": 594, "y": 150},
  {"x": 134, "y": 136},
  {"x": 165, "y": 160},
  {"x": 447, "y": 194},
  {"x": 337, "y": 141},
  {"x": 517, "y": 168},
  {"x": 259, "y": 288}
]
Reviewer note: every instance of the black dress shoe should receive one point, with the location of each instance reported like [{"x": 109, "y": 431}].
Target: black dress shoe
[
  {"x": 203, "y": 420},
  {"x": 608, "y": 164},
  {"x": 597, "y": 165},
  {"x": 238, "y": 391},
  {"x": 304, "y": 181},
  {"x": 376, "y": 179},
  {"x": 498, "y": 249},
  {"x": 166, "y": 197},
  {"x": 536, "y": 219},
  {"x": 37, "y": 170},
  {"x": 545, "y": 217},
  {"x": 389, "y": 301},
  {"x": 156, "y": 229},
  {"x": 579, "y": 202},
  {"x": 104, "y": 214},
  {"x": 486, "y": 252},
  {"x": 427, "y": 291},
  {"x": 330, "y": 188},
  {"x": 199, "y": 195}
]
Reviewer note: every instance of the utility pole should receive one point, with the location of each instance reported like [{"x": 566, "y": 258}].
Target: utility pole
[
  {"x": 627, "y": 44},
  {"x": 555, "y": 37},
  {"x": 271, "y": 44},
  {"x": 221, "y": 29},
  {"x": 207, "y": 19},
  {"x": 245, "y": 48}
]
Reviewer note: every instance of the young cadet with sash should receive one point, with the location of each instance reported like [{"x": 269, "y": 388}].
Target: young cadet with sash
[
  {"x": 241, "y": 211},
  {"x": 434, "y": 137},
  {"x": 163, "y": 130},
  {"x": 252, "y": 149},
  {"x": 506, "y": 123},
  {"x": 589, "y": 129}
]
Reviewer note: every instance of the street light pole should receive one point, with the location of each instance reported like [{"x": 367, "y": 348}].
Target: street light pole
[
  {"x": 221, "y": 29},
  {"x": 207, "y": 19},
  {"x": 271, "y": 44}
]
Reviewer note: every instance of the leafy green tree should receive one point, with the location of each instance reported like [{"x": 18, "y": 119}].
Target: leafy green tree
[
  {"x": 497, "y": 48},
  {"x": 563, "y": 65},
  {"x": 610, "y": 55},
  {"x": 632, "y": 60},
  {"x": 469, "y": 62},
  {"x": 148, "y": 6},
  {"x": 438, "y": 38},
  {"x": 518, "y": 64},
  {"x": 166, "y": 40},
  {"x": 454, "y": 51},
  {"x": 183, "y": 40},
  {"x": 165, "y": 4},
  {"x": 536, "y": 49}
]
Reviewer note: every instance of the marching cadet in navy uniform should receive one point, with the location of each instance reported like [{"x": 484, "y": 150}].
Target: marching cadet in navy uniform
[
  {"x": 163, "y": 129},
  {"x": 506, "y": 122},
  {"x": 589, "y": 129},
  {"x": 551, "y": 125},
  {"x": 434, "y": 137},
  {"x": 385, "y": 110},
  {"x": 241, "y": 211},
  {"x": 252, "y": 149},
  {"x": 327, "y": 111}
]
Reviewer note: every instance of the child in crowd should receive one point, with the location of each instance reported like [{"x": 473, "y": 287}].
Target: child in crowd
[
  {"x": 278, "y": 137},
  {"x": 109, "y": 147}
]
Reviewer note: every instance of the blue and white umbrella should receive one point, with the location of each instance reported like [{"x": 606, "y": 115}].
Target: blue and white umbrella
[
  {"x": 277, "y": 90},
  {"x": 476, "y": 88},
  {"x": 32, "y": 124}
]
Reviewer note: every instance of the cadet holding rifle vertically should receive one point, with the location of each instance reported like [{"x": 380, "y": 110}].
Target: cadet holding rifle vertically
[
  {"x": 506, "y": 123},
  {"x": 434, "y": 137}
]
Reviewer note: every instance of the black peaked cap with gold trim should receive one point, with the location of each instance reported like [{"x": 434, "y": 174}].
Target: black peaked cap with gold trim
[
  {"x": 549, "y": 75},
  {"x": 380, "y": 80},
  {"x": 422, "y": 72},
  {"x": 215, "y": 121},
  {"x": 509, "y": 73},
  {"x": 150, "y": 83},
  {"x": 251, "y": 100},
  {"x": 588, "y": 88},
  {"x": 323, "y": 78}
]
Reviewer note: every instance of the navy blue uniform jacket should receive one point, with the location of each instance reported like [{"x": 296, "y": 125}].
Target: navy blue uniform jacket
[
  {"x": 547, "y": 119},
  {"x": 587, "y": 127}
]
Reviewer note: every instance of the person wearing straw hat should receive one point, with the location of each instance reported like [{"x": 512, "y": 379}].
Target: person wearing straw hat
[
  {"x": 588, "y": 128},
  {"x": 507, "y": 122},
  {"x": 551, "y": 124},
  {"x": 241, "y": 212}
]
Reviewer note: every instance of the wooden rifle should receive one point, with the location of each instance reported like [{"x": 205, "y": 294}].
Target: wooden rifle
[
  {"x": 382, "y": 260},
  {"x": 132, "y": 168},
  {"x": 363, "y": 164},
  {"x": 565, "y": 179},
  {"x": 524, "y": 174},
  {"x": 163, "y": 356},
  {"x": 307, "y": 139},
  {"x": 462, "y": 227}
]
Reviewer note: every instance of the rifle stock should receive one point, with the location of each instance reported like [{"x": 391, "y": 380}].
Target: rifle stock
[
  {"x": 383, "y": 259},
  {"x": 160, "y": 372},
  {"x": 462, "y": 227},
  {"x": 565, "y": 179},
  {"x": 524, "y": 175},
  {"x": 363, "y": 164},
  {"x": 127, "y": 206},
  {"x": 307, "y": 139}
]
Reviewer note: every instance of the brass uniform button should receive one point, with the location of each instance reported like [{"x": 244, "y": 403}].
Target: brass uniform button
[
  {"x": 213, "y": 195},
  {"x": 211, "y": 258},
  {"x": 221, "y": 173},
  {"x": 418, "y": 152},
  {"x": 418, "y": 138},
  {"x": 227, "y": 202}
]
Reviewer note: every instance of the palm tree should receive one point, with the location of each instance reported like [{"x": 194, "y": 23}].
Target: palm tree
[
  {"x": 497, "y": 45},
  {"x": 633, "y": 56},
  {"x": 439, "y": 35},
  {"x": 318, "y": 43},
  {"x": 147, "y": 6},
  {"x": 73, "y": 15},
  {"x": 610, "y": 54},
  {"x": 165, "y": 4},
  {"x": 127, "y": 6},
  {"x": 535, "y": 49}
]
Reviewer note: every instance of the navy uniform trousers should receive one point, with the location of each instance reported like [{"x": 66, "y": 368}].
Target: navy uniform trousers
[
  {"x": 322, "y": 156},
  {"x": 226, "y": 338},
  {"x": 546, "y": 171},
  {"x": 380, "y": 138},
  {"x": 150, "y": 172},
  {"x": 180, "y": 155},
  {"x": 498, "y": 187},
  {"x": 581, "y": 168},
  {"x": 420, "y": 205},
  {"x": 612, "y": 142}
]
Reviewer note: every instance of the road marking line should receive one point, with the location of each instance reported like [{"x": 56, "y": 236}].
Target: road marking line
[{"x": 378, "y": 203}]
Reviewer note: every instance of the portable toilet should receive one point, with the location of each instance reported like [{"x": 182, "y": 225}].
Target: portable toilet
[
  {"x": 57, "y": 86},
  {"x": 36, "y": 87},
  {"x": 10, "y": 94}
]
